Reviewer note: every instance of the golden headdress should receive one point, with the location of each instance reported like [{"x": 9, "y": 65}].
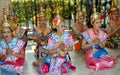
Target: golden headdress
[
  {"x": 79, "y": 12},
  {"x": 113, "y": 8},
  {"x": 95, "y": 15},
  {"x": 58, "y": 19},
  {"x": 42, "y": 14},
  {"x": 48, "y": 13},
  {"x": 12, "y": 18},
  {"x": 6, "y": 23}
]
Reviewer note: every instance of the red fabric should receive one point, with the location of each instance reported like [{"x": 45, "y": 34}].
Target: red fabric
[
  {"x": 64, "y": 70},
  {"x": 66, "y": 67},
  {"x": 102, "y": 16},
  {"x": 55, "y": 21},
  {"x": 77, "y": 46},
  {"x": 110, "y": 11},
  {"x": 43, "y": 69},
  {"x": 99, "y": 64},
  {"x": 72, "y": 67},
  {"x": 19, "y": 62}
]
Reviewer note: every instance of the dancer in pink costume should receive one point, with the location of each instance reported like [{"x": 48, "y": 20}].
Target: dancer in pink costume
[
  {"x": 97, "y": 57},
  {"x": 59, "y": 43}
]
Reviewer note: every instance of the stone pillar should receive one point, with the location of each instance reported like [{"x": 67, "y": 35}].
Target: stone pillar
[{"x": 4, "y": 4}]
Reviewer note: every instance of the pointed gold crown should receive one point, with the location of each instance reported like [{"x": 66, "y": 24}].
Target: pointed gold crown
[
  {"x": 42, "y": 11},
  {"x": 114, "y": 7},
  {"x": 48, "y": 13},
  {"x": 79, "y": 12},
  {"x": 95, "y": 15},
  {"x": 5, "y": 23},
  {"x": 12, "y": 18},
  {"x": 58, "y": 18}
]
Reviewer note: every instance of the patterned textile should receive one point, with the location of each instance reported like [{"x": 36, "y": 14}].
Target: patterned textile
[
  {"x": 12, "y": 63},
  {"x": 35, "y": 33},
  {"x": 22, "y": 33},
  {"x": 111, "y": 43},
  {"x": 97, "y": 58},
  {"x": 43, "y": 68},
  {"x": 39, "y": 50},
  {"x": 89, "y": 35},
  {"x": 56, "y": 63},
  {"x": 78, "y": 45}
]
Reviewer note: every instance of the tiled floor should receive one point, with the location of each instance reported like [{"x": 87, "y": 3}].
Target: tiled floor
[{"x": 78, "y": 59}]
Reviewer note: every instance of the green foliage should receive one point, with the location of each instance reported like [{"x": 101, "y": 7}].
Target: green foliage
[
  {"x": 24, "y": 10},
  {"x": 27, "y": 9}
]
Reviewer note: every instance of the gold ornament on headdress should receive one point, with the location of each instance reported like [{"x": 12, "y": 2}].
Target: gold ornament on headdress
[
  {"x": 58, "y": 15},
  {"x": 6, "y": 23},
  {"x": 79, "y": 12},
  {"x": 12, "y": 18},
  {"x": 114, "y": 7},
  {"x": 48, "y": 13},
  {"x": 95, "y": 15},
  {"x": 42, "y": 14},
  {"x": 57, "y": 19}
]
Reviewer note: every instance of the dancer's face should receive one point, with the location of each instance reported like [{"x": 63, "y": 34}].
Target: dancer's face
[
  {"x": 115, "y": 15},
  {"x": 7, "y": 33},
  {"x": 97, "y": 24},
  {"x": 61, "y": 27},
  {"x": 42, "y": 20},
  {"x": 81, "y": 19}
]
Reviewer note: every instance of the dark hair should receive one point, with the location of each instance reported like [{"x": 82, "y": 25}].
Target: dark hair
[{"x": 54, "y": 29}]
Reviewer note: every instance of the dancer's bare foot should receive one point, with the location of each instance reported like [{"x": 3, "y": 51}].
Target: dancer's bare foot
[
  {"x": 36, "y": 63},
  {"x": 115, "y": 58},
  {"x": 118, "y": 56}
]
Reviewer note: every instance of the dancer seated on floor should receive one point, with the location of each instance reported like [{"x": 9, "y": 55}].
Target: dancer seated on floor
[
  {"x": 59, "y": 43},
  {"x": 78, "y": 28},
  {"x": 41, "y": 34},
  {"x": 12, "y": 51},
  {"x": 113, "y": 27},
  {"x": 97, "y": 58}
]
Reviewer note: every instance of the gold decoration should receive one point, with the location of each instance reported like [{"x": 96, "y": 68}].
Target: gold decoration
[
  {"x": 114, "y": 8},
  {"x": 94, "y": 8},
  {"x": 48, "y": 13},
  {"x": 58, "y": 18},
  {"x": 42, "y": 14},
  {"x": 114, "y": 3},
  {"x": 79, "y": 12},
  {"x": 12, "y": 18},
  {"x": 95, "y": 14},
  {"x": 6, "y": 23}
]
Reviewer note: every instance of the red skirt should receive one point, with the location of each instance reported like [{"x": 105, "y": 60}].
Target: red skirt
[{"x": 78, "y": 45}]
